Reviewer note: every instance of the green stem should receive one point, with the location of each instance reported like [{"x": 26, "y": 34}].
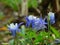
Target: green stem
[
  {"x": 16, "y": 39},
  {"x": 48, "y": 19},
  {"x": 48, "y": 22}
]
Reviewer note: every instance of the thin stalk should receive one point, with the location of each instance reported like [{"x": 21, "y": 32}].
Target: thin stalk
[
  {"x": 16, "y": 39},
  {"x": 48, "y": 19},
  {"x": 48, "y": 22}
]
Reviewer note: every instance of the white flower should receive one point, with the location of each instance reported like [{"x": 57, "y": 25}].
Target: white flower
[
  {"x": 37, "y": 20},
  {"x": 29, "y": 20},
  {"x": 51, "y": 17},
  {"x": 12, "y": 26},
  {"x": 34, "y": 17},
  {"x": 31, "y": 17}
]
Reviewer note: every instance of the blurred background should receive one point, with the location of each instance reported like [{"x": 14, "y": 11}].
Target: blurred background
[
  {"x": 16, "y": 10},
  {"x": 20, "y": 8}
]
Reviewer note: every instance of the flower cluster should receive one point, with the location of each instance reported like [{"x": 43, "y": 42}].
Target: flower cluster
[{"x": 37, "y": 23}]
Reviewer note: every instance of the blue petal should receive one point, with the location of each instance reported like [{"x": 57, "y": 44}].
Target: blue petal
[
  {"x": 40, "y": 24},
  {"x": 20, "y": 23},
  {"x": 13, "y": 32},
  {"x": 28, "y": 22},
  {"x": 18, "y": 30}
]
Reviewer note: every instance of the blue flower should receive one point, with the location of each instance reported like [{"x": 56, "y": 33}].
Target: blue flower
[
  {"x": 38, "y": 24},
  {"x": 14, "y": 28},
  {"x": 51, "y": 17},
  {"x": 57, "y": 41},
  {"x": 29, "y": 20}
]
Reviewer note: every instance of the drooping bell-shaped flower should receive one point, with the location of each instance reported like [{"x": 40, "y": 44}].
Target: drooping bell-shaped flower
[
  {"x": 13, "y": 28},
  {"x": 29, "y": 20},
  {"x": 38, "y": 24},
  {"x": 51, "y": 17}
]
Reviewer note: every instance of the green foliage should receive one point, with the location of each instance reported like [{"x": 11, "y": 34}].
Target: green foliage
[
  {"x": 41, "y": 36},
  {"x": 14, "y": 4},
  {"x": 31, "y": 34},
  {"x": 28, "y": 35},
  {"x": 11, "y": 42},
  {"x": 32, "y": 3},
  {"x": 23, "y": 30},
  {"x": 55, "y": 32}
]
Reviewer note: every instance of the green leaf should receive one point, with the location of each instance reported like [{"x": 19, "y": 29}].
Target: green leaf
[
  {"x": 14, "y": 4},
  {"x": 33, "y": 3},
  {"x": 31, "y": 34},
  {"x": 23, "y": 30},
  {"x": 11, "y": 42},
  {"x": 55, "y": 32}
]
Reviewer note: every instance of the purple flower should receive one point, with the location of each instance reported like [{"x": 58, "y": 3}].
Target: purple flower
[
  {"x": 51, "y": 17},
  {"x": 38, "y": 24},
  {"x": 14, "y": 28},
  {"x": 29, "y": 20}
]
